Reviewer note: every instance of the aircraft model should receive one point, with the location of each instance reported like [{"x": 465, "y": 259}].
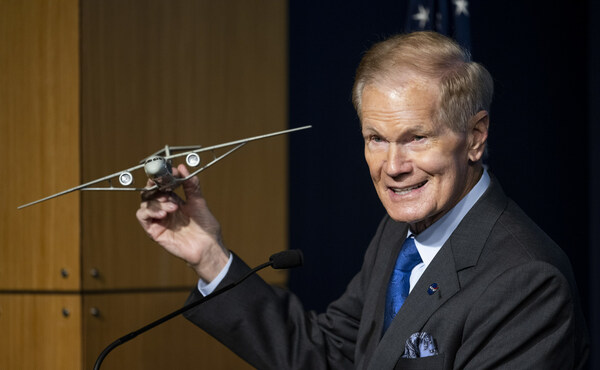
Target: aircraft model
[{"x": 158, "y": 167}]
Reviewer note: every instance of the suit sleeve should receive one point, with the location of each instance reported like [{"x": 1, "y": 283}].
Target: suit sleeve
[
  {"x": 268, "y": 327},
  {"x": 523, "y": 320}
]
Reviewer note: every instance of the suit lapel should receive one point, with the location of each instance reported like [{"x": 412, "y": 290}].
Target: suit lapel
[
  {"x": 372, "y": 318},
  {"x": 471, "y": 234}
]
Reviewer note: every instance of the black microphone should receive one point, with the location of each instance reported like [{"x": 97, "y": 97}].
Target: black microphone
[
  {"x": 287, "y": 259},
  {"x": 282, "y": 260}
]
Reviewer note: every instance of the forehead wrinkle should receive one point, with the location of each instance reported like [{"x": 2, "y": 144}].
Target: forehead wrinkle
[
  {"x": 400, "y": 101},
  {"x": 408, "y": 116}
]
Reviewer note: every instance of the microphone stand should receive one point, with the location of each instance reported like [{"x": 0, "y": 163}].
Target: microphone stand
[{"x": 130, "y": 336}]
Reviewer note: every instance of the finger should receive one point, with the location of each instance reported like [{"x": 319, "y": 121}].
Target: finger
[
  {"x": 149, "y": 194},
  {"x": 147, "y": 216},
  {"x": 158, "y": 208},
  {"x": 155, "y": 195},
  {"x": 165, "y": 201},
  {"x": 191, "y": 187}
]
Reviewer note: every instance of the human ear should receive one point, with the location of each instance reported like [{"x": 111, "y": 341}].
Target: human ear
[{"x": 478, "y": 133}]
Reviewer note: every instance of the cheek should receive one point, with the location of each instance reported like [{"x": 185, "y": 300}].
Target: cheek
[
  {"x": 449, "y": 176},
  {"x": 374, "y": 163},
  {"x": 442, "y": 161},
  {"x": 433, "y": 163}
]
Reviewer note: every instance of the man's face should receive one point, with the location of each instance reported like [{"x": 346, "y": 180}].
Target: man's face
[{"x": 420, "y": 169}]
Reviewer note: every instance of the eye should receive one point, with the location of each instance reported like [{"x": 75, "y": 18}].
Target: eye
[
  {"x": 374, "y": 139},
  {"x": 418, "y": 138}
]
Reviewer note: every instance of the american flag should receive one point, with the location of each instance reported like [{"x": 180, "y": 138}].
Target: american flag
[{"x": 448, "y": 17}]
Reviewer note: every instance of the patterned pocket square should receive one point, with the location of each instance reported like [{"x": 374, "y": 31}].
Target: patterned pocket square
[{"x": 420, "y": 345}]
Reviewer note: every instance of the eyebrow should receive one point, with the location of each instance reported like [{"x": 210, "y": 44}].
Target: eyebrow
[
  {"x": 417, "y": 128},
  {"x": 369, "y": 130},
  {"x": 420, "y": 129}
]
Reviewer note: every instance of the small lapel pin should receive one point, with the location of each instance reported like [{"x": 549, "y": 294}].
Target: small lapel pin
[{"x": 433, "y": 288}]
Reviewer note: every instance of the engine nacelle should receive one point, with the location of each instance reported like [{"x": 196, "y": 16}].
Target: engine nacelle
[
  {"x": 126, "y": 178},
  {"x": 192, "y": 160}
]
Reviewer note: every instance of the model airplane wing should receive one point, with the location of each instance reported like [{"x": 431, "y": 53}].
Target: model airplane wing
[{"x": 158, "y": 167}]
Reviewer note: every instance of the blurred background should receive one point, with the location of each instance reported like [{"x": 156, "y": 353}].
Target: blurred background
[{"x": 90, "y": 87}]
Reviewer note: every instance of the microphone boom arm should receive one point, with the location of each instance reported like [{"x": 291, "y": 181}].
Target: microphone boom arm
[{"x": 286, "y": 259}]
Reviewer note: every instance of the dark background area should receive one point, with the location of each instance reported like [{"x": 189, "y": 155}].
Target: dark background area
[{"x": 544, "y": 127}]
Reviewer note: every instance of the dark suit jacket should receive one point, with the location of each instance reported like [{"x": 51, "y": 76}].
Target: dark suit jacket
[{"x": 506, "y": 299}]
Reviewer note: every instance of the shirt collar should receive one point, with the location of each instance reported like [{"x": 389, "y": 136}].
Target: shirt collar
[{"x": 431, "y": 239}]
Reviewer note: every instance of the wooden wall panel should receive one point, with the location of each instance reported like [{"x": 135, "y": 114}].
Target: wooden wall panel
[
  {"x": 176, "y": 344},
  {"x": 152, "y": 73},
  {"x": 39, "y": 143},
  {"x": 180, "y": 73},
  {"x": 37, "y": 335}
]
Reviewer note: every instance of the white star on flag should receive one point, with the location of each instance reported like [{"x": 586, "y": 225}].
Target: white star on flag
[
  {"x": 461, "y": 7},
  {"x": 422, "y": 16}
]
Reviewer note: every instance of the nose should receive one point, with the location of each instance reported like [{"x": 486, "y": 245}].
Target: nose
[{"x": 397, "y": 161}]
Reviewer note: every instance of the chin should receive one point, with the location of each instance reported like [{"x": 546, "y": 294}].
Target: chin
[{"x": 408, "y": 217}]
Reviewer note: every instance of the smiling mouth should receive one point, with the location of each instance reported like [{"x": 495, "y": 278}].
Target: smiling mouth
[{"x": 402, "y": 191}]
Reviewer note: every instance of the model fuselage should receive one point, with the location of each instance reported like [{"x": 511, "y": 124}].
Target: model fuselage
[{"x": 160, "y": 171}]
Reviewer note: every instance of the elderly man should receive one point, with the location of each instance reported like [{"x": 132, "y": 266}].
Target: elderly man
[{"x": 456, "y": 276}]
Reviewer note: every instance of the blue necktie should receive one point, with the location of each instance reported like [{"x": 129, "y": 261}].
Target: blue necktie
[{"x": 400, "y": 281}]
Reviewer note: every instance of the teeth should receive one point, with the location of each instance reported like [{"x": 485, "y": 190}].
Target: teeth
[{"x": 407, "y": 190}]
